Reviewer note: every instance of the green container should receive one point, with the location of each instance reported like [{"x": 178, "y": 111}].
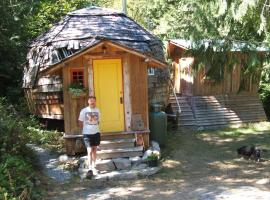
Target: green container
[{"x": 158, "y": 124}]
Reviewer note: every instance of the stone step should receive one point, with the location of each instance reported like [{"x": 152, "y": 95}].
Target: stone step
[
  {"x": 120, "y": 152},
  {"x": 117, "y": 143}
]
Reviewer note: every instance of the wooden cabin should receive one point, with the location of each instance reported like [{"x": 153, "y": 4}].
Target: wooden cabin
[
  {"x": 210, "y": 103},
  {"x": 109, "y": 55}
]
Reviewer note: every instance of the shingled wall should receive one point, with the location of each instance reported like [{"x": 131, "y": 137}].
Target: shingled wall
[{"x": 158, "y": 87}]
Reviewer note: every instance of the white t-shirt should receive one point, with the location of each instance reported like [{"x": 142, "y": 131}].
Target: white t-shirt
[{"x": 90, "y": 118}]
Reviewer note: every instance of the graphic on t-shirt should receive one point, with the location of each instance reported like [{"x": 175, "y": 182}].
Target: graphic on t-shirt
[{"x": 91, "y": 118}]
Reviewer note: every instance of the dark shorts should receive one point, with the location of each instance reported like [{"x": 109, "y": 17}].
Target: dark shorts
[{"x": 91, "y": 140}]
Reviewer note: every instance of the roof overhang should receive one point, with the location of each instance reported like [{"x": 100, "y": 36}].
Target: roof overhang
[
  {"x": 236, "y": 45},
  {"x": 152, "y": 62}
]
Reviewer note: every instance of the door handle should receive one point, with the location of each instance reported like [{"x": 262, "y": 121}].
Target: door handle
[{"x": 121, "y": 100}]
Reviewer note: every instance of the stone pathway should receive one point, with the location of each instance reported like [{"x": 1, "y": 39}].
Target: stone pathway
[{"x": 50, "y": 164}]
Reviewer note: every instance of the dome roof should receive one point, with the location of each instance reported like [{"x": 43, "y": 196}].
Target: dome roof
[{"x": 84, "y": 28}]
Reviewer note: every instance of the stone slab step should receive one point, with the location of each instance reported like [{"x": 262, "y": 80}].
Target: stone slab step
[
  {"x": 117, "y": 143},
  {"x": 120, "y": 153}
]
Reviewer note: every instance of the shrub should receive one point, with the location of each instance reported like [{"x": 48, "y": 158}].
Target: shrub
[
  {"x": 16, "y": 168},
  {"x": 15, "y": 177}
]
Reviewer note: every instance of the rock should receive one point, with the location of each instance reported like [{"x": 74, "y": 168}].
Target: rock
[
  {"x": 79, "y": 146},
  {"x": 149, "y": 171},
  {"x": 117, "y": 175},
  {"x": 147, "y": 153},
  {"x": 155, "y": 146},
  {"x": 83, "y": 162},
  {"x": 63, "y": 158},
  {"x": 82, "y": 173},
  {"x": 200, "y": 128},
  {"x": 135, "y": 160},
  {"x": 140, "y": 166},
  {"x": 122, "y": 163},
  {"x": 105, "y": 165}
]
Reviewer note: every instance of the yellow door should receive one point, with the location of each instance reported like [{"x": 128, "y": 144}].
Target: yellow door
[{"x": 109, "y": 94}]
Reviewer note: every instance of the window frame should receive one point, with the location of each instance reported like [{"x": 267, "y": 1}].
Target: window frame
[
  {"x": 151, "y": 71},
  {"x": 77, "y": 70}
]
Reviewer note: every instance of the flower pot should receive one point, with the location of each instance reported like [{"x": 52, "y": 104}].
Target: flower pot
[
  {"x": 152, "y": 163},
  {"x": 82, "y": 94}
]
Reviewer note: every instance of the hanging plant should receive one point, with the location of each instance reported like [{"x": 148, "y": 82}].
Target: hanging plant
[{"x": 77, "y": 89}]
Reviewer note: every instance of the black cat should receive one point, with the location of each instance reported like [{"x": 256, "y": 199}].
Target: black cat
[{"x": 250, "y": 152}]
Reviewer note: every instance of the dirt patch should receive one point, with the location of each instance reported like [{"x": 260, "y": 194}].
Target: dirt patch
[{"x": 195, "y": 166}]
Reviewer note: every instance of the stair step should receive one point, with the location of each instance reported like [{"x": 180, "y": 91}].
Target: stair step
[
  {"x": 242, "y": 104},
  {"x": 117, "y": 143},
  {"x": 228, "y": 120},
  {"x": 120, "y": 152},
  {"x": 181, "y": 105},
  {"x": 121, "y": 135},
  {"x": 205, "y": 111},
  {"x": 185, "y": 118},
  {"x": 183, "y": 109},
  {"x": 232, "y": 122},
  {"x": 194, "y": 123}
]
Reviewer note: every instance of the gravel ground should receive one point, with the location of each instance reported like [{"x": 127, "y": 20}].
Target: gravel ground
[{"x": 49, "y": 162}]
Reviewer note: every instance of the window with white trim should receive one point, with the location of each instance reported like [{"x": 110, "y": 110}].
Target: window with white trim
[{"x": 151, "y": 71}]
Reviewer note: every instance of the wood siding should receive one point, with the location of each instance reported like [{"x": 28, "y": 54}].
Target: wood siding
[
  {"x": 138, "y": 86},
  {"x": 46, "y": 99}
]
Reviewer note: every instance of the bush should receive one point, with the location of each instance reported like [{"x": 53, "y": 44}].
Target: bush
[
  {"x": 15, "y": 177},
  {"x": 264, "y": 89},
  {"x": 16, "y": 168}
]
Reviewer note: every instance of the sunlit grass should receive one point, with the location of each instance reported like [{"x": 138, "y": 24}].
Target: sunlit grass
[{"x": 248, "y": 129}]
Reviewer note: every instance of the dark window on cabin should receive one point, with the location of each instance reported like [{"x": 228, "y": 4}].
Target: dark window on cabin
[{"x": 77, "y": 76}]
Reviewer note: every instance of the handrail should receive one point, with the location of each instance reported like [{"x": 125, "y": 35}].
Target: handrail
[{"x": 178, "y": 104}]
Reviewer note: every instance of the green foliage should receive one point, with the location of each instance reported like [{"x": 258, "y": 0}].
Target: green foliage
[
  {"x": 16, "y": 168},
  {"x": 39, "y": 136},
  {"x": 152, "y": 157},
  {"x": 16, "y": 176},
  {"x": 265, "y": 89},
  {"x": 77, "y": 89}
]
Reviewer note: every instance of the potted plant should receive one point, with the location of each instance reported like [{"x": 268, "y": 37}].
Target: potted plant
[
  {"x": 77, "y": 89},
  {"x": 152, "y": 160}
]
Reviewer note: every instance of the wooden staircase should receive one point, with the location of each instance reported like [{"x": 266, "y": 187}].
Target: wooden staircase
[
  {"x": 186, "y": 117},
  {"x": 212, "y": 112},
  {"x": 222, "y": 110}
]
